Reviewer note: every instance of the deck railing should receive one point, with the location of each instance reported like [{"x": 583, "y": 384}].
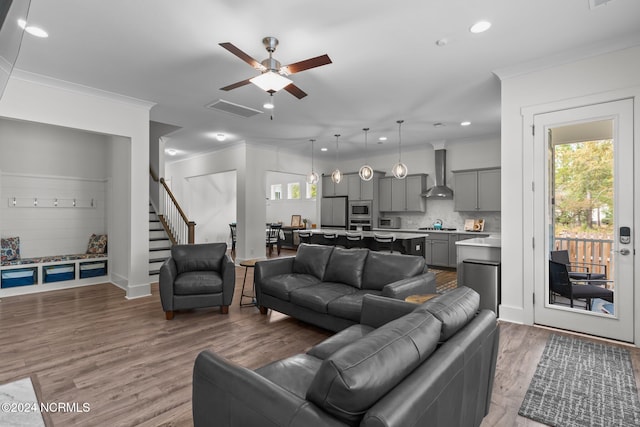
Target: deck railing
[{"x": 587, "y": 248}]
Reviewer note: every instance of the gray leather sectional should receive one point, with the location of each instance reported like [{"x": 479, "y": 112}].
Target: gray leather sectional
[
  {"x": 325, "y": 285},
  {"x": 403, "y": 365}
]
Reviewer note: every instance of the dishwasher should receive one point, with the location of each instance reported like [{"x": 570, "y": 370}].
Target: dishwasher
[{"x": 483, "y": 276}]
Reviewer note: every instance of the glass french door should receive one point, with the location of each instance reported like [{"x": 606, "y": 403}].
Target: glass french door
[{"x": 583, "y": 180}]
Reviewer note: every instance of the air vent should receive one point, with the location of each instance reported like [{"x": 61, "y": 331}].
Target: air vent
[
  {"x": 597, "y": 3},
  {"x": 231, "y": 108}
]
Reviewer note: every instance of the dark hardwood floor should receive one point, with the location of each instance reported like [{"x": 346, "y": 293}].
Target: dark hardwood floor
[{"x": 134, "y": 368}]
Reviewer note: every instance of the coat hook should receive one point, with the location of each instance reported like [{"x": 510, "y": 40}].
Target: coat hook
[
  {"x": 14, "y": 202},
  {"x": 55, "y": 202},
  {"x": 92, "y": 203},
  {"x": 74, "y": 203},
  {"x": 35, "y": 201}
]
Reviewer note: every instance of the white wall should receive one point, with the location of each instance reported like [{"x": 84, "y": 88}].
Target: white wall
[
  {"x": 211, "y": 204},
  {"x": 44, "y": 100},
  {"x": 596, "y": 79}
]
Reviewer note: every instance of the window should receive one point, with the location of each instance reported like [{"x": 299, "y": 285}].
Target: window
[
  {"x": 276, "y": 192},
  {"x": 293, "y": 190},
  {"x": 312, "y": 190}
]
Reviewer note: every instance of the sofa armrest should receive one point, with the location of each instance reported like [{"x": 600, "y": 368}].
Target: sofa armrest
[
  {"x": 422, "y": 284},
  {"x": 228, "y": 274},
  {"x": 235, "y": 396},
  {"x": 377, "y": 310},
  {"x": 168, "y": 274},
  {"x": 273, "y": 267}
]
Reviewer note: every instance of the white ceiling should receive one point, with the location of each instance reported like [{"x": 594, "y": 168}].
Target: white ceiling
[{"x": 386, "y": 64}]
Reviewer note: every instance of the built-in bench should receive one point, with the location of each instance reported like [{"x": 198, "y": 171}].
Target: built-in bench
[{"x": 24, "y": 275}]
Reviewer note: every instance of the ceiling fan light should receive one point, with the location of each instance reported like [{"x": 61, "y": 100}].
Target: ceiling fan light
[
  {"x": 400, "y": 170},
  {"x": 366, "y": 173},
  {"x": 336, "y": 176},
  {"x": 270, "y": 81}
]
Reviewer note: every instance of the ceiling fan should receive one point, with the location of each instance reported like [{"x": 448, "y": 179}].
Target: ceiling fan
[{"x": 273, "y": 75}]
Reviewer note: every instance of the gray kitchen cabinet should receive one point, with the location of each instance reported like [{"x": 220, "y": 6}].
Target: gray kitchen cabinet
[
  {"x": 436, "y": 250},
  {"x": 402, "y": 195},
  {"x": 333, "y": 212},
  {"x": 477, "y": 190},
  {"x": 358, "y": 189},
  {"x": 330, "y": 189},
  {"x": 384, "y": 195}
]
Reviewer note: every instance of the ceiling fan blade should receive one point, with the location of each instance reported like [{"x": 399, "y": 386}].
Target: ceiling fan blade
[
  {"x": 296, "y": 67},
  {"x": 295, "y": 91},
  {"x": 240, "y": 54},
  {"x": 236, "y": 85}
]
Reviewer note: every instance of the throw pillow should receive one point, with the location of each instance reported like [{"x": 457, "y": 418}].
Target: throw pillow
[
  {"x": 312, "y": 259},
  {"x": 345, "y": 266},
  {"x": 10, "y": 248},
  {"x": 97, "y": 244}
]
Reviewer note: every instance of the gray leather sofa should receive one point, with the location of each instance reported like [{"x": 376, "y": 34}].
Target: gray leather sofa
[
  {"x": 402, "y": 366},
  {"x": 324, "y": 285}
]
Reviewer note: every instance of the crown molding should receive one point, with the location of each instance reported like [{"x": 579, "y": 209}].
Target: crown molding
[
  {"x": 568, "y": 56},
  {"x": 43, "y": 80}
]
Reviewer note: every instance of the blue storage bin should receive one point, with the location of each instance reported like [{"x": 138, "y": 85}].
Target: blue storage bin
[
  {"x": 59, "y": 273},
  {"x": 93, "y": 269},
  {"x": 19, "y": 277}
]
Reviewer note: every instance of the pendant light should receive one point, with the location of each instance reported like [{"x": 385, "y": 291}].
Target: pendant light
[
  {"x": 366, "y": 171},
  {"x": 336, "y": 175},
  {"x": 400, "y": 169},
  {"x": 312, "y": 177}
]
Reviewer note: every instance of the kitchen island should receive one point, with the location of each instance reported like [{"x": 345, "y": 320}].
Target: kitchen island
[
  {"x": 406, "y": 243},
  {"x": 479, "y": 259}
]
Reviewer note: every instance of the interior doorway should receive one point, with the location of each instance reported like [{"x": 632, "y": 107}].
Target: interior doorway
[{"x": 584, "y": 172}]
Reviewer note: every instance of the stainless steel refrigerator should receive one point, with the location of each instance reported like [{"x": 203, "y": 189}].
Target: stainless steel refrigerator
[{"x": 333, "y": 212}]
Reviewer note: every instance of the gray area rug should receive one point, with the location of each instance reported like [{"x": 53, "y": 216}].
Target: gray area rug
[{"x": 581, "y": 383}]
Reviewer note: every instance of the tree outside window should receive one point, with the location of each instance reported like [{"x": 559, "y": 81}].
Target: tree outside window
[
  {"x": 312, "y": 190},
  {"x": 293, "y": 190}
]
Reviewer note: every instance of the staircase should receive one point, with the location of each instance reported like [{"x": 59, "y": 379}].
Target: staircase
[{"x": 159, "y": 245}]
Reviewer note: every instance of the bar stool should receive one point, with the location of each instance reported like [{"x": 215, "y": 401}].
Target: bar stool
[
  {"x": 354, "y": 239},
  {"x": 304, "y": 236},
  {"x": 330, "y": 238},
  {"x": 384, "y": 241}
]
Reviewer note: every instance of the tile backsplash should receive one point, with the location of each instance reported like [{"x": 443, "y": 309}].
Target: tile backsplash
[{"x": 443, "y": 210}]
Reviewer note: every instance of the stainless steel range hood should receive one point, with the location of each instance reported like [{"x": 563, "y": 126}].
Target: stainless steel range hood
[{"x": 440, "y": 190}]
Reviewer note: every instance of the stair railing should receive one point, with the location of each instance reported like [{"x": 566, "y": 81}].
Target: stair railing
[{"x": 173, "y": 218}]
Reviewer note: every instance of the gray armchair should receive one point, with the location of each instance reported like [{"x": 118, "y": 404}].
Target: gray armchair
[{"x": 197, "y": 276}]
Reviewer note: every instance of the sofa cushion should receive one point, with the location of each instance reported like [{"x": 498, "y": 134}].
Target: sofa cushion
[
  {"x": 200, "y": 257},
  {"x": 335, "y": 342},
  {"x": 345, "y": 266},
  {"x": 454, "y": 309},
  {"x": 10, "y": 249},
  {"x": 349, "y": 306},
  {"x": 294, "y": 374},
  {"x": 353, "y": 378},
  {"x": 381, "y": 269},
  {"x": 280, "y": 286},
  {"x": 312, "y": 259},
  {"x": 197, "y": 283},
  {"x": 318, "y": 297}
]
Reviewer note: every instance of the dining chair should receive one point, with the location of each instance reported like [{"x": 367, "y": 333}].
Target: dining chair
[
  {"x": 330, "y": 238},
  {"x": 273, "y": 237}
]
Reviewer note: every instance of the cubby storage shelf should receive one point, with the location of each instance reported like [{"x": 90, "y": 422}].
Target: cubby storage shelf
[{"x": 49, "y": 273}]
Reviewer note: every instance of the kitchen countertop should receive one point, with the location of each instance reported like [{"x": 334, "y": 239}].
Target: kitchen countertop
[
  {"x": 487, "y": 242},
  {"x": 413, "y": 230},
  {"x": 399, "y": 235}
]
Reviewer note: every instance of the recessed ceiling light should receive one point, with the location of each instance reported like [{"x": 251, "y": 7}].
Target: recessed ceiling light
[
  {"x": 438, "y": 125},
  {"x": 221, "y": 137},
  {"x": 171, "y": 151},
  {"x": 33, "y": 30},
  {"x": 480, "y": 27},
  {"x": 442, "y": 42},
  {"x": 382, "y": 138},
  {"x": 324, "y": 149},
  {"x": 465, "y": 123}
]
